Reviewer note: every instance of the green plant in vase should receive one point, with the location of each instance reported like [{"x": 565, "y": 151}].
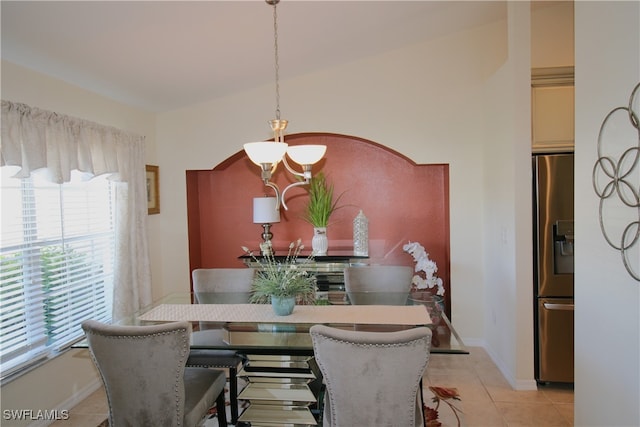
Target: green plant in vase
[
  {"x": 320, "y": 206},
  {"x": 277, "y": 279}
]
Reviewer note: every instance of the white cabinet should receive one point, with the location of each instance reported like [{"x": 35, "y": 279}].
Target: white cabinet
[{"x": 552, "y": 99}]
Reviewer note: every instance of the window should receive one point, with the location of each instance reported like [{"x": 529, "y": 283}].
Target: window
[{"x": 56, "y": 264}]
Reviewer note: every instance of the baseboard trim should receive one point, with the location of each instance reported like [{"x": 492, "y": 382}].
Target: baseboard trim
[
  {"x": 516, "y": 384},
  {"x": 70, "y": 403}
]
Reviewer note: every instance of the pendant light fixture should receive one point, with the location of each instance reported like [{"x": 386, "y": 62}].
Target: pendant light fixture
[{"x": 268, "y": 154}]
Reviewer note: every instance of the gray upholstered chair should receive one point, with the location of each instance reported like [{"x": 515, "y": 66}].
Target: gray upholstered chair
[
  {"x": 145, "y": 378},
  {"x": 372, "y": 378},
  {"x": 220, "y": 286},
  {"x": 394, "y": 280}
]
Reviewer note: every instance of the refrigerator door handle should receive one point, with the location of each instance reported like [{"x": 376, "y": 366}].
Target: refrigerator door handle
[{"x": 551, "y": 306}]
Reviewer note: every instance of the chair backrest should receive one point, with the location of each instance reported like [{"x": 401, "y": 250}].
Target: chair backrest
[
  {"x": 392, "y": 279},
  {"x": 222, "y": 285},
  {"x": 372, "y": 378},
  {"x": 142, "y": 369}
]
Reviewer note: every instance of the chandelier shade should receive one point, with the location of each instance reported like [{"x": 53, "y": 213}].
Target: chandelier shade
[
  {"x": 265, "y": 152},
  {"x": 306, "y": 154}
]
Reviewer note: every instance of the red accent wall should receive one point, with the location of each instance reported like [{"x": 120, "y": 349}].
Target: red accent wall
[{"x": 403, "y": 201}]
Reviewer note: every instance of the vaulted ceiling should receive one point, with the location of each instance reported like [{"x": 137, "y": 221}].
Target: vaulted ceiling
[{"x": 162, "y": 55}]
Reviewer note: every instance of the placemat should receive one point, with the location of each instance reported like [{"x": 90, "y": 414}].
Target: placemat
[{"x": 309, "y": 314}]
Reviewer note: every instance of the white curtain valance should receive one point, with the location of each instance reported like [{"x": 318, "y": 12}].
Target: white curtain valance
[
  {"x": 35, "y": 139},
  {"x": 55, "y": 144}
]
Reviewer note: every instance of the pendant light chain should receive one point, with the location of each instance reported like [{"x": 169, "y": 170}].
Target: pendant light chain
[
  {"x": 277, "y": 65},
  {"x": 268, "y": 155}
]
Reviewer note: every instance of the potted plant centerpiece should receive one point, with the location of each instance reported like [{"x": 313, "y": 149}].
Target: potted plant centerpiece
[
  {"x": 319, "y": 208},
  {"x": 282, "y": 282}
]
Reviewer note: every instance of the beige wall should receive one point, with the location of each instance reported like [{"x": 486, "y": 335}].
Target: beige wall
[
  {"x": 507, "y": 313},
  {"x": 552, "y": 41},
  {"x": 607, "y": 315}
]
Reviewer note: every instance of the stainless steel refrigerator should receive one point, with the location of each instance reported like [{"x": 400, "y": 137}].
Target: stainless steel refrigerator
[{"x": 553, "y": 266}]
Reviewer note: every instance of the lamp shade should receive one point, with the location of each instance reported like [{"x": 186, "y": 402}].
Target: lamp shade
[
  {"x": 306, "y": 154},
  {"x": 265, "y": 152},
  {"x": 265, "y": 210}
]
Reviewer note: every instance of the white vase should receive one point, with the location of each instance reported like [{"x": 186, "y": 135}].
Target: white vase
[{"x": 320, "y": 242}]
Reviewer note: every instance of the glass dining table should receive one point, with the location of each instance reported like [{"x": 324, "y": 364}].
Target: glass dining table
[
  {"x": 284, "y": 382},
  {"x": 255, "y": 328}
]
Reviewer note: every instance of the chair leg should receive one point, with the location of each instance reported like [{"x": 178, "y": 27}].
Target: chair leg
[
  {"x": 424, "y": 419},
  {"x": 221, "y": 409},
  {"x": 233, "y": 394}
]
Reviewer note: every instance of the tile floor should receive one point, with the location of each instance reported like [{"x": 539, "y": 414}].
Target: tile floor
[
  {"x": 486, "y": 397},
  {"x": 488, "y": 400}
]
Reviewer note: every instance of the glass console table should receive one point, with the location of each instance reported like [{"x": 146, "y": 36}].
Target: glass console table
[{"x": 328, "y": 269}]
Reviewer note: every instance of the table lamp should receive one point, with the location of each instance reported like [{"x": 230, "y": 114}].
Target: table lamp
[{"x": 266, "y": 212}]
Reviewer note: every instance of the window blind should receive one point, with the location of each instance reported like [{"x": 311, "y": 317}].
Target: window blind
[{"x": 56, "y": 264}]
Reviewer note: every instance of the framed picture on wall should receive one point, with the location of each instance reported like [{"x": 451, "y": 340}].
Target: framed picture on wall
[{"x": 153, "y": 190}]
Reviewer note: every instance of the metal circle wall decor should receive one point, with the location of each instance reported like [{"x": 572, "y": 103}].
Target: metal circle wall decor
[{"x": 616, "y": 181}]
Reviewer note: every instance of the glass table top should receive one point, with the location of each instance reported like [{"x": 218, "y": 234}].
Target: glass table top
[{"x": 287, "y": 336}]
